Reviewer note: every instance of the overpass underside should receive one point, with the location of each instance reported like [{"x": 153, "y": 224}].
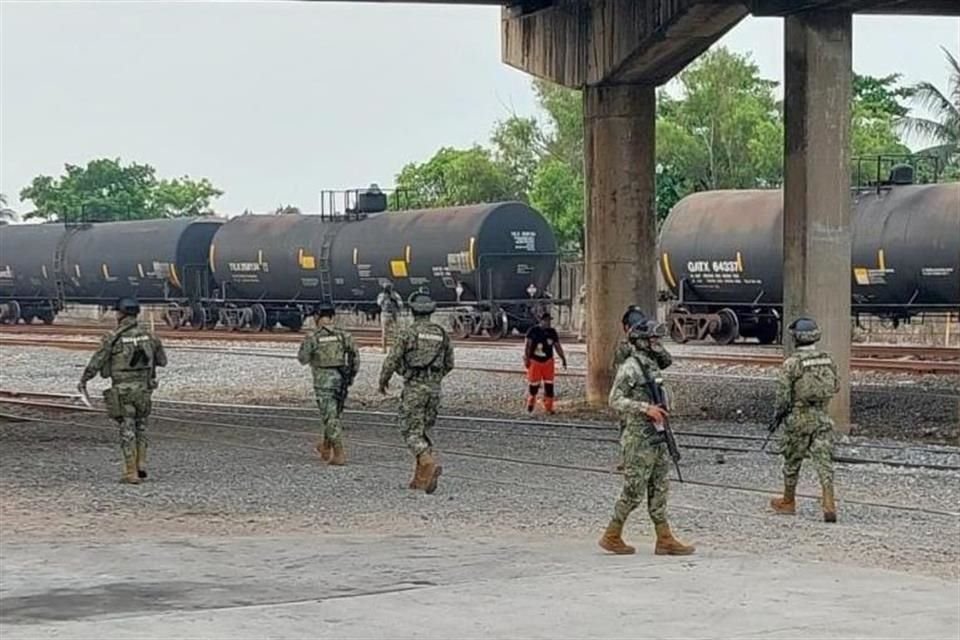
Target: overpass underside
[{"x": 618, "y": 52}]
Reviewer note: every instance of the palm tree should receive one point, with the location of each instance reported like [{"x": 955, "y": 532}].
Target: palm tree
[{"x": 942, "y": 128}]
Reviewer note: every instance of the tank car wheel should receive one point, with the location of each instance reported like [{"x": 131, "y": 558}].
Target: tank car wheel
[
  {"x": 11, "y": 314},
  {"x": 767, "y": 332},
  {"x": 500, "y": 327},
  {"x": 172, "y": 315},
  {"x": 258, "y": 317},
  {"x": 46, "y": 316},
  {"x": 461, "y": 327},
  {"x": 27, "y": 318},
  {"x": 729, "y": 329},
  {"x": 677, "y": 320}
]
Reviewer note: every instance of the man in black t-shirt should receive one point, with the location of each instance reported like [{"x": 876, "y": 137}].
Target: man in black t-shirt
[{"x": 542, "y": 340}]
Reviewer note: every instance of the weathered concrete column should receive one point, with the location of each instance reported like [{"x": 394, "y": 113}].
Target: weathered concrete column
[
  {"x": 816, "y": 222},
  {"x": 620, "y": 218}
]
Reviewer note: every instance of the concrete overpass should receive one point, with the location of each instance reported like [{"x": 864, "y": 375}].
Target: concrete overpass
[{"x": 618, "y": 52}]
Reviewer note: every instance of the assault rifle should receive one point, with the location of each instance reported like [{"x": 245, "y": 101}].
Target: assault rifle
[
  {"x": 772, "y": 428},
  {"x": 659, "y": 399}
]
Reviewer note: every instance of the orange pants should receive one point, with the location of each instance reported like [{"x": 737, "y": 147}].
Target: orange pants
[{"x": 539, "y": 372}]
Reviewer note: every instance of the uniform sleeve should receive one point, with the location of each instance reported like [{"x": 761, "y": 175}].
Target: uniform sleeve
[
  {"x": 353, "y": 357},
  {"x": 620, "y": 400},
  {"x": 159, "y": 353},
  {"x": 306, "y": 350},
  {"x": 661, "y": 356},
  {"x": 836, "y": 377},
  {"x": 391, "y": 364},
  {"x": 785, "y": 380},
  {"x": 98, "y": 359}
]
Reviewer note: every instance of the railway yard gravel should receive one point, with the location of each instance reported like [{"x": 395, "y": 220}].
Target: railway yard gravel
[{"x": 221, "y": 471}]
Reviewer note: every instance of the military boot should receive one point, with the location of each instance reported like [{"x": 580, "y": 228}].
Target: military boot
[
  {"x": 829, "y": 506},
  {"x": 414, "y": 480},
  {"x": 339, "y": 457},
  {"x": 612, "y": 540},
  {"x": 786, "y": 505},
  {"x": 130, "y": 475},
  {"x": 323, "y": 449},
  {"x": 142, "y": 459},
  {"x": 667, "y": 545},
  {"x": 428, "y": 472}
]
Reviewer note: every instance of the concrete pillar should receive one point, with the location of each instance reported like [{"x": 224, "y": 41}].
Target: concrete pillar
[
  {"x": 816, "y": 222},
  {"x": 620, "y": 218}
]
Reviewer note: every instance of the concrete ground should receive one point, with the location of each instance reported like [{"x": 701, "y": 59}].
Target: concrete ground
[{"x": 410, "y": 586}]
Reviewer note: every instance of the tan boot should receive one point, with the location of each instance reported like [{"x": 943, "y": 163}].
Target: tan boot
[
  {"x": 612, "y": 540},
  {"x": 339, "y": 456},
  {"x": 667, "y": 545},
  {"x": 787, "y": 505},
  {"x": 323, "y": 449},
  {"x": 130, "y": 475},
  {"x": 428, "y": 472},
  {"x": 142, "y": 460},
  {"x": 829, "y": 506}
]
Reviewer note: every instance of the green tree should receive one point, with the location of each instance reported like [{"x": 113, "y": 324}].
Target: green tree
[
  {"x": 517, "y": 149},
  {"x": 6, "y": 213},
  {"x": 558, "y": 193},
  {"x": 457, "y": 177},
  {"x": 107, "y": 190},
  {"x": 940, "y": 130}
]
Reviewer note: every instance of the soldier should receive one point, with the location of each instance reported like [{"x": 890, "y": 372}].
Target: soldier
[
  {"x": 806, "y": 383},
  {"x": 389, "y": 302},
  {"x": 129, "y": 356},
  {"x": 632, "y": 316},
  {"x": 423, "y": 355},
  {"x": 334, "y": 361},
  {"x": 643, "y": 442}
]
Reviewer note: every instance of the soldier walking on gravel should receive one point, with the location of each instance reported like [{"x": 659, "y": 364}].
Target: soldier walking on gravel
[
  {"x": 389, "y": 302},
  {"x": 129, "y": 356},
  {"x": 334, "y": 362},
  {"x": 807, "y": 381},
  {"x": 643, "y": 441},
  {"x": 423, "y": 355}
]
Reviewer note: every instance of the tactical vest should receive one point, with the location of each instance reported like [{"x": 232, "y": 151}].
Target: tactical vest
[
  {"x": 818, "y": 379},
  {"x": 131, "y": 355},
  {"x": 329, "y": 352},
  {"x": 427, "y": 348}
]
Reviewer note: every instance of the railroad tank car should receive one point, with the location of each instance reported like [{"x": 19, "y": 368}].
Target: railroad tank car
[
  {"x": 487, "y": 262},
  {"x": 28, "y": 286},
  {"x": 721, "y": 256},
  {"x": 154, "y": 261}
]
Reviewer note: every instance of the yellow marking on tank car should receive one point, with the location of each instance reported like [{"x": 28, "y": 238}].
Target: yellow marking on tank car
[
  {"x": 356, "y": 255},
  {"x": 305, "y": 260},
  {"x": 43, "y": 268},
  {"x": 739, "y": 262},
  {"x": 473, "y": 253},
  {"x": 213, "y": 253},
  {"x": 881, "y": 262},
  {"x": 76, "y": 268},
  {"x": 174, "y": 277},
  {"x": 140, "y": 270},
  {"x": 667, "y": 272},
  {"x": 407, "y": 254},
  {"x": 260, "y": 256},
  {"x": 105, "y": 270},
  {"x": 861, "y": 276},
  {"x": 398, "y": 268}
]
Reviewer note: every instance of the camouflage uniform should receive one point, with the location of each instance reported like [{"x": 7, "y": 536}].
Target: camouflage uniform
[
  {"x": 334, "y": 361},
  {"x": 806, "y": 383},
  {"x": 644, "y": 452},
  {"x": 128, "y": 356},
  {"x": 423, "y": 355},
  {"x": 624, "y": 350},
  {"x": 644, "y": 449},
  {"x": 389, "y": 302}
]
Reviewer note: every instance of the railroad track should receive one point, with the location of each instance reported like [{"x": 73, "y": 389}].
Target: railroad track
[
  {"x": 477, "y": 424},
  {"x": 767, "y": 359},
  {"x": 361, "y": 443}
]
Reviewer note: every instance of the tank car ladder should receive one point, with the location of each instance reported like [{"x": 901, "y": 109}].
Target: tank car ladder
[
  {"x": 326, "y": 283},
  {"x": 58, "y": 274}
]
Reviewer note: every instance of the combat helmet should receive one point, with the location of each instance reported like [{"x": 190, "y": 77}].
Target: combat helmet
[
  {"x": 805, "y": 330},
  {"x": 323, "y": 309},
  {"x": 128, "y": 306},
  {"x": 421, "y": 304},
  {"x": 632, "y": 316},
  {"x": 646, "y": 329}
]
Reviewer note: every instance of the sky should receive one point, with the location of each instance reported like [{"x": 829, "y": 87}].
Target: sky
[{"x": 274, "y": 101}]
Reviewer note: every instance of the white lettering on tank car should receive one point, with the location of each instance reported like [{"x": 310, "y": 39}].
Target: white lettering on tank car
[{"x": 524, "y": 240}]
